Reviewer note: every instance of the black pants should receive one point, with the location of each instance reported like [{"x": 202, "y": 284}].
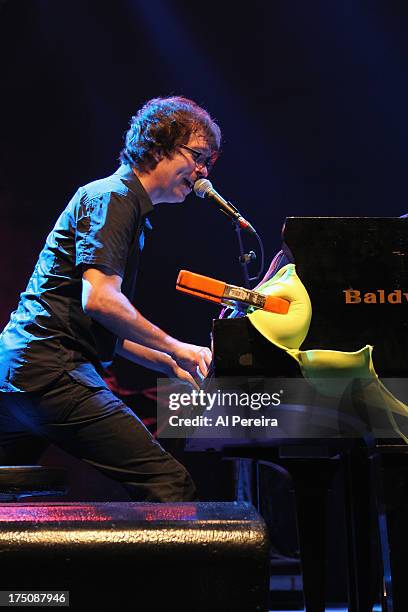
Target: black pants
[{"x": 92, "y": 424}]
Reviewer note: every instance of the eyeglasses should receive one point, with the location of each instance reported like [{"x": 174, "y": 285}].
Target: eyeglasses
[{"x": 200, "y": 159}]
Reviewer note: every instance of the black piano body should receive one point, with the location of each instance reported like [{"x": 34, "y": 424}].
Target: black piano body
[{"x": 356, "y": 273}]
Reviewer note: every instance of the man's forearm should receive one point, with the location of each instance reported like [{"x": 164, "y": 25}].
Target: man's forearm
[
  {"x": 147, "y": 357},
  {"x": 155, "y": 360},
  {"x": 115, "y": 312},
  {"x": 103, "y": 300}
]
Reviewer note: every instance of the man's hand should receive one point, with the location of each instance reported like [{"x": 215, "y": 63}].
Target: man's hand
[
  {"x": 156, "y": 360},
  {"x": 183, "y": 376},
  {"x": 192, "y": 358}
]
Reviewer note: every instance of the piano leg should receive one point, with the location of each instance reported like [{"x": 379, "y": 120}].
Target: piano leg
[
  {"x": 390, "y": 479},
  {"x": 311, "y": 478},
  {"x": 361, "y": 573}
]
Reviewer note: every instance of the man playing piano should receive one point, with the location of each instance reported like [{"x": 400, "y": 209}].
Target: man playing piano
[{"x": 77, "y": 312}]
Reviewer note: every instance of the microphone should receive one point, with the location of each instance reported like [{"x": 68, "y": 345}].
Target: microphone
[{"x": 204, "y": 188}]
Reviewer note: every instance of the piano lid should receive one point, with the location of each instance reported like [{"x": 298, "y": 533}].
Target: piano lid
[{"x": 356, "y": 273}]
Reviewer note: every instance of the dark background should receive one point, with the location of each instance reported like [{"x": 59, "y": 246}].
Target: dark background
[{"x": 312, "y": 98}]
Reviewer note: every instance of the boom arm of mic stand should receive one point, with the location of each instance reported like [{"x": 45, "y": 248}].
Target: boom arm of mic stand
[{"x": 242, "y": 258}]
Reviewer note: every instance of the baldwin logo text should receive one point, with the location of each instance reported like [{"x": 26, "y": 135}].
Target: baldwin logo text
[{"x": 378, "y": 296}]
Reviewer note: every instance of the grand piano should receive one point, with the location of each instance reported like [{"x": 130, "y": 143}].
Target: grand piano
[{"x": 355, "y": 271}]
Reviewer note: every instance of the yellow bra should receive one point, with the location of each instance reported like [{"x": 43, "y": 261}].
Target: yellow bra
[{"x": 329, "y": 371}]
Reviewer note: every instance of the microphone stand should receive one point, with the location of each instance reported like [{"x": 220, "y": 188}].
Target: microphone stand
[
  {"x": 243, "y": 479},
  {"x": 247, "y": 258},
  {"x": 244, "y": 258}
]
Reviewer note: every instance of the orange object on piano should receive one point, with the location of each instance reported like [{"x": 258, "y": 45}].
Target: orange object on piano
[{"x": 229, "y": 295}]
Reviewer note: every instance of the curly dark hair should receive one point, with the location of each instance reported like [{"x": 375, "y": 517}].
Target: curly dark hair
[{"x": 161, "y": 125}]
